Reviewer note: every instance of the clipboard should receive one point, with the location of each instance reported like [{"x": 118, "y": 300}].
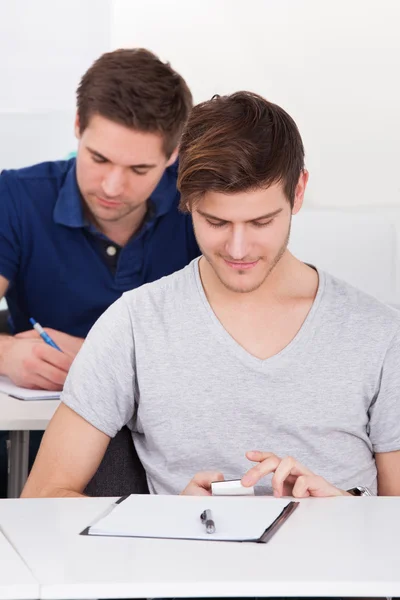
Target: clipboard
[{"x": 253, "y": 519}]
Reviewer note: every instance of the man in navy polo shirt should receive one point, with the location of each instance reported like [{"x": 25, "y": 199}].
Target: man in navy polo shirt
[{"x": 76, "y": 234}]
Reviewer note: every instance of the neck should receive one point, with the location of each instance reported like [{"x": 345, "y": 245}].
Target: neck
[
  {"x": 289, "y": 278},
  {"x": 124, "y": 229}
]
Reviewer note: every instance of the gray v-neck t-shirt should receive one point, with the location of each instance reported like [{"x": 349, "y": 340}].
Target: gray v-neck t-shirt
[{"x": 160, "y": 361}]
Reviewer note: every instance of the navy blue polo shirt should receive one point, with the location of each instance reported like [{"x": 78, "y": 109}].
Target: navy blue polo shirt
[{"x": 55, "y": 260}]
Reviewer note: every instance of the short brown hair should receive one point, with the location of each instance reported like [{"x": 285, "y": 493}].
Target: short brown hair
[
  {"x": 134, "y": 88},
  {"x": 237, "y": 143}
]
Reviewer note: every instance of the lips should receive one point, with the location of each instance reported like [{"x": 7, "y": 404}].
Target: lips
[
  {"x": 241, "y": 266},
  {"x": 108, "y": 203}
]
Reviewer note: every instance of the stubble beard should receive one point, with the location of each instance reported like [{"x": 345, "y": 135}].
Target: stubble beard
[{"x": 257, "y": 284}]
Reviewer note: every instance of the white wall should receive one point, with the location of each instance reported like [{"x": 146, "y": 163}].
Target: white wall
[
  {"x": 361, "y": 247},
  {"x": 333, "y": 65},
  {"x": 45, "y": 47}
]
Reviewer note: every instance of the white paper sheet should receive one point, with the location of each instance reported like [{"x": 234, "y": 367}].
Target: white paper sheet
[{"x": 7, "y": 387}]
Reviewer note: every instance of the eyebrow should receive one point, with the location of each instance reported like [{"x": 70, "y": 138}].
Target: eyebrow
[
  {"x": 266, "y": 216},
  {"x": 139, "y": 166}
]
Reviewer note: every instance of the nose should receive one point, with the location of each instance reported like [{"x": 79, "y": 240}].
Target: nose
[
  {"x": 113, "y": 183},
  {"x": 236, "y": 246}
]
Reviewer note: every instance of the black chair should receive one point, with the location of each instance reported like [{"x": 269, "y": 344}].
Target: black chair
[
  {"x": 120, "y": 472},
  {"x": 4, "y": 328}
]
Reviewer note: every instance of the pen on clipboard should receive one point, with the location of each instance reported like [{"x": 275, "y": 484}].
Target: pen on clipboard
[
  {"x": 207, "y": 520},
  {"x": 45, "y": 336}
]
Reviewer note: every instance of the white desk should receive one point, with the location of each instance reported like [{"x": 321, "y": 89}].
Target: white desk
[
  {"x": 16, "y": 580},
  {"x": 19, "y": 417},
  {"x": 328, "y": 547}
]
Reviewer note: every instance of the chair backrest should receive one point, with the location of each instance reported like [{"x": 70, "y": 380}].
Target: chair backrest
[
  {"x": 4, "y": 314},
  {"x": 120, "y": 472}
]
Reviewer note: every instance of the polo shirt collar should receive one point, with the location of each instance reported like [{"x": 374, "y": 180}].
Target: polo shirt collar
[
  {"x": 164, "y": 196},
  {"x": 68, "y": 209}
]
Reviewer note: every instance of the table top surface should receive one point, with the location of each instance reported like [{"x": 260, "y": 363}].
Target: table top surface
[
  {"x": 21, "y": 415},
  {"x": 16, "y": 580},
  {"x": 328, "y": 547}
]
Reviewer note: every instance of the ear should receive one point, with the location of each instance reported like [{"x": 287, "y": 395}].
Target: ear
[
  {"x": 77, "y": 127},
  {"x": 300, "y": 191},
  {"x": 173, "y": 157}
]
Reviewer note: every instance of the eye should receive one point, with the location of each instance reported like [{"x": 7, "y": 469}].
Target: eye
[
  {"x": 216, "y": 225},
  {"x": 98, "y": 159},
  {"x": 264, "y": 224},
  {"x": 138, "y": 172}
]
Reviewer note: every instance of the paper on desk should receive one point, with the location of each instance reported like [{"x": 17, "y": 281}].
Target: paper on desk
[
  {"x": 159, "y": 516},
  {"x": 7, "y": 387}
]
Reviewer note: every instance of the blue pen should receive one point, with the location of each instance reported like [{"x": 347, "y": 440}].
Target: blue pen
[{"x": 45, "y": 336}]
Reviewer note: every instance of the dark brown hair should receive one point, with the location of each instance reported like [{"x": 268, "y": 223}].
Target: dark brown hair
[
  {"x": 134, "y": 88},
  {"x": 236, "y": 143}
]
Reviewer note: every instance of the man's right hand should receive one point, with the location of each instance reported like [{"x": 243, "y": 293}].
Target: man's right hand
[{"x": 34, "y": 364}]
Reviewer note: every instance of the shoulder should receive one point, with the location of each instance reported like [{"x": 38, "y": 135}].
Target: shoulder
[
  {"x": 42, "y": 179},
  {"x": 37, "y": 185},
  {"x": 169, "y": 290},
  {"x": 359, "y": 309},
  {"x": 42, "y": 171}
]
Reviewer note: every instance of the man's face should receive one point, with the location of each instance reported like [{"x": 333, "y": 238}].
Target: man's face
[
  {"x": 117, "y": 168},
  {"x": 243, "y": 236}
]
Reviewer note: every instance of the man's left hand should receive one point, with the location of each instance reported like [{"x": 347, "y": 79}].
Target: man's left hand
[{"x": 291, "y": 478}]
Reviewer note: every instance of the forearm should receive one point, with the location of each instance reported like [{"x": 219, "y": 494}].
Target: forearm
[
  {"x": 389, "y": 488},
  {"x": 388, "y": 467}
]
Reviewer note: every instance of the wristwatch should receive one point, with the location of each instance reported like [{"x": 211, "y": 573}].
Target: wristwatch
[{"x": 360, "y": 491}]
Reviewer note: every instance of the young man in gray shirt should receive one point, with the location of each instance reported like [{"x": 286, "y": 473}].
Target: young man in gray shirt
[{"x": 246, "y": 348}]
